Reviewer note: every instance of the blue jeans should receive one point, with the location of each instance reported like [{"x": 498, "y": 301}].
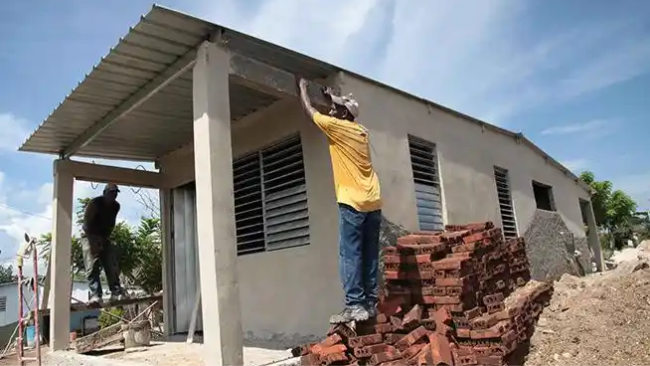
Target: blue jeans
[{"x": 359, "y": 255}]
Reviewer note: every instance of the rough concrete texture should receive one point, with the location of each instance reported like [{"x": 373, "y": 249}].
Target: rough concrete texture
[
  {"x": 388, "y": 234},
  {"x": 551, "y": 248},
  {"x": 278, "y": 341},
  {"x": 175, "y": 353}
]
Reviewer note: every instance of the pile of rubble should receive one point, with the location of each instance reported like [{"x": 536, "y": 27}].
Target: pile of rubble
[{"x": 460, "y": 297}]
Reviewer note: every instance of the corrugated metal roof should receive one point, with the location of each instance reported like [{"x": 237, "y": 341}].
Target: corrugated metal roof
[{"x": 164, "y": 122}]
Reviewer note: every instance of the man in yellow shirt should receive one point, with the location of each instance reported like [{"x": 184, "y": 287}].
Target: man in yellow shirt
[{"x": 359, "y": 199}]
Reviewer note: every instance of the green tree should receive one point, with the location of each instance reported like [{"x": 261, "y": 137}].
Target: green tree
[
  {"x": 149, "y": 244},
  {"x": 138, "y": 251},
  {"x": 614, "y": 210},
  {"x": 7, "y": 274}
]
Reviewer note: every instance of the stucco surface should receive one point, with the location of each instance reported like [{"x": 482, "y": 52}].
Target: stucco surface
[{"x": 287, "y": 295}]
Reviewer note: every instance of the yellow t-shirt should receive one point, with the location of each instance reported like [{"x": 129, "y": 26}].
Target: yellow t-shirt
[{"x": 355, "y": 180}]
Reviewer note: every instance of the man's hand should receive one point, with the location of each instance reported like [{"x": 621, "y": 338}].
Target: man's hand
[
  {"x": 304, "y": 98},
  {"x": 302, "y": 84}
]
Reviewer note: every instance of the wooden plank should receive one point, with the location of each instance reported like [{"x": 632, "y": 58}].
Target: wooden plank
[
  {"x": 108, "y": 304},
  {"x": 102, "y": 338}
]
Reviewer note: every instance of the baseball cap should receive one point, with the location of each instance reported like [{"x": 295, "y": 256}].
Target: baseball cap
[
  {"x": 111, "y": 187},
  {"x": 348, "y": 102}
]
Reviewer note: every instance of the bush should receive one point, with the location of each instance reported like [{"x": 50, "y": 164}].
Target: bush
[{"x": 106, "y": 320}]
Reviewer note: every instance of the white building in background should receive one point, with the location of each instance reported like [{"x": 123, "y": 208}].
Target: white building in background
[{"x": 9, "y": 300}]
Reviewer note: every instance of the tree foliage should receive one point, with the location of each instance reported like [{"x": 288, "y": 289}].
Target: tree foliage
[
  {"x": 7, "y": 274},
  {"x": 614, "y": 210}
]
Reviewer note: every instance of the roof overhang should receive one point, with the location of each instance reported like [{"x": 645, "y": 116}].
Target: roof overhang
[{"x": 136, "y": 104}]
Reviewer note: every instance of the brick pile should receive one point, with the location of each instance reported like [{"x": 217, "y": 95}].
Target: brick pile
[{"x": 459, "y": 297}]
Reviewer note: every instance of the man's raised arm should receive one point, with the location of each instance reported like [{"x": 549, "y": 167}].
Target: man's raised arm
[{"x": 304, "y": 98}]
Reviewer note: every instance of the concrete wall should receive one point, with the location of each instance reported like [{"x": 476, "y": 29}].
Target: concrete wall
[
  {"x": 284, "y": 298},
  {"x": 467, "y": 154},
  {"x": 288, "y": 295}
]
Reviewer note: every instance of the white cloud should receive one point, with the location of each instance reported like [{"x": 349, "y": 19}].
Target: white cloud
[
  {"x": 15, "y": 221},
  {"x": 576, "y": 128},
  {"x": 14, "y": 132}
]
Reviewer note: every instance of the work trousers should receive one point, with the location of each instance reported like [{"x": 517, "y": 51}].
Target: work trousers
[
  {"x": 99, "y": 253},
  {"x": 359, "y": 255}
]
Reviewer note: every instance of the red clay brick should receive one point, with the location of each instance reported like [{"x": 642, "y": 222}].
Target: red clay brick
[
  {"x": 391, "y": 338},
  {"x": 309, "y": 360},
  {"x": 413, "y": 350},
  {"x": 490, "y": 360},
  {"x": 331, "y": 340},
  {"x": 463, "y": 333},
  {"x": 411, "y": 338},
  {"x": 381, "y": 318},
  {"x": 412, "y": 317},
  {"x": 325, "y": 351},
  {"x": 365, "y": 352},
  {"x": 453, "y": 263},
  {"x": 443, "y": 316},
  {"x": 343, "y": 330},
  {"x": 384, "y": 328},
  {"x": 391, "y": 306},
  {"x": 334, "y": 358},
  {"x": 366, "y": 340},
  {"x": 440, "y": 350},
  {"x": 378, "y": 358}
]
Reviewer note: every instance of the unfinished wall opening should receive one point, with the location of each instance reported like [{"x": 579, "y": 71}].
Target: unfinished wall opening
[
  {"x": 506, "y": 208},
  {"x": 271, "y": 210},
  {"x": 584, "y": 206},
  {"x": 424, "y": 164},
  {"x": 543, "y": 196}
]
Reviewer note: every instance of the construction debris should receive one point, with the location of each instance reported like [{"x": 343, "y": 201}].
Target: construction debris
[{"x": 460, "y": 297}]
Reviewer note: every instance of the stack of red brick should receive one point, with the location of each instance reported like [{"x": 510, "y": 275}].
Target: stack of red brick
[{"x": 452, "y": 298}]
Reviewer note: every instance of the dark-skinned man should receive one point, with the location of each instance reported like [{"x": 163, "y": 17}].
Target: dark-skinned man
[
  {"x": 99, "y": 221},
  {"x": 359, "y": 200}
]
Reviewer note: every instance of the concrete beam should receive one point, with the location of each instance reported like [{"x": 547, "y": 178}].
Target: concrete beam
[
  {"x": 112, "y": 174},
  {"x": 60, "y": 258},
  {"x": 215, "y": 208},
  {"x": 271, "y": 80}
]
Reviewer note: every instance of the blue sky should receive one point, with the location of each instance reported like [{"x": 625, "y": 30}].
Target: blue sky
[{"x": 570, "y": 75}]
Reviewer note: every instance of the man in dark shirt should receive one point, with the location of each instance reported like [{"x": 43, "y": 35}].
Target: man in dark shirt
[{"x": 99, "y": 221}]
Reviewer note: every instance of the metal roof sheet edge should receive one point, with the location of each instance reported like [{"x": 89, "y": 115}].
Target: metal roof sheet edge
[{"x": 326, "y": 65}]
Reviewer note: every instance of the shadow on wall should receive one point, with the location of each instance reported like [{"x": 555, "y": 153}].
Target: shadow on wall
[
  {"x": 553, "y": 249},
  {"x": 6, "y": 331},
  {"x": 389, "y": 232}
]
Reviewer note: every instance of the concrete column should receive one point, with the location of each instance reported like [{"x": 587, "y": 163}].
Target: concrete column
[
  {"x": 217, "y": 244},
  {"x": 60, "y": 258},
  {"x": 592, "y": 236}
]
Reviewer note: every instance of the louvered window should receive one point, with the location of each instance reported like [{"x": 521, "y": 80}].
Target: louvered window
[
  {"x": 249, "y": 208},
  {"x": 508, "y": 219},
  {"x": 3, "y": 304},
  {"x": 424, "y": 163},
  {"x": 271, "y": 198}
]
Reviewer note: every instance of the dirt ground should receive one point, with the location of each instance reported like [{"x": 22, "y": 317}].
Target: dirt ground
[{"x": 601, "y": 319}]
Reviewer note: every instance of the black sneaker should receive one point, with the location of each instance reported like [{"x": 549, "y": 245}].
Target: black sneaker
[
  {"x": 119, "y": 295},
  {"x": 352, "y": 313},
  {"x": 95, "y": 300}
]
